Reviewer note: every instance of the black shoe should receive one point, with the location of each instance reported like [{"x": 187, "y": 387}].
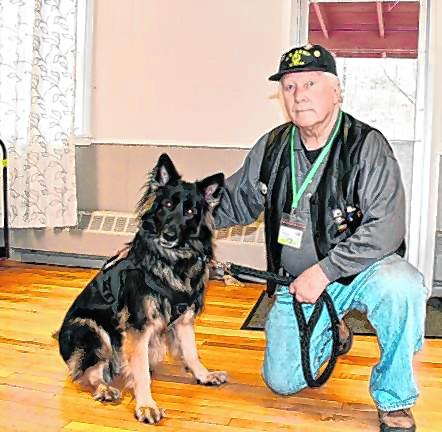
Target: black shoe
[{"x": 397, "y": 421}]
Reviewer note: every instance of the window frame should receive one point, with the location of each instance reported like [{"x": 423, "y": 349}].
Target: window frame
[{"x": 83, "y": 72}]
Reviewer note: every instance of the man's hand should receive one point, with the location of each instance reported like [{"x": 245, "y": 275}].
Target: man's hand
[{"x": 309, "y": 285}]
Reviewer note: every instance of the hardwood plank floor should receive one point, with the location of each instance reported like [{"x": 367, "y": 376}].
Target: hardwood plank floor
[{"x": 35, "y": 394}]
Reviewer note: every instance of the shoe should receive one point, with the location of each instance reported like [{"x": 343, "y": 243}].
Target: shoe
[
  {"x": 397, "y": 421},
  {"x": 345, "y": 338}
]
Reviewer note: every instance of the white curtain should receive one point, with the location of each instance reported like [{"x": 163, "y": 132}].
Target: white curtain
[{"x": 37, "y": 93}]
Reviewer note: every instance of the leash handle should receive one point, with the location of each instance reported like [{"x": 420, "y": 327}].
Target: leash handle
[
  {"x": 305, "y": 334},
  {"x": 305, "y": 328}
]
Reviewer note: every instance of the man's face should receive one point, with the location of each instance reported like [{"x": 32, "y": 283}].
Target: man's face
[{"x": 309, "y": 97}]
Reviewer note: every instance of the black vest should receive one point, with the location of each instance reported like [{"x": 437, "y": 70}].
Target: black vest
[{"x": 337, "y": 190}]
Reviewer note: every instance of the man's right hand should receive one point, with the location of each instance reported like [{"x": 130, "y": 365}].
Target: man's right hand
[{"x": 309, "y": 285}]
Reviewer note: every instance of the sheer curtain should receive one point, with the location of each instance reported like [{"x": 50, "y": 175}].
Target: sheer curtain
[{"x": 37, "y": 93}]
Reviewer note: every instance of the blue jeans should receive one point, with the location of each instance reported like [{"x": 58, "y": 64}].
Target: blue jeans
[{"x": 392, "y": 294}]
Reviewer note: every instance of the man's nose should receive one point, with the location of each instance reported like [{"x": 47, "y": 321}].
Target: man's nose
[{"x": 299, "y": 95}]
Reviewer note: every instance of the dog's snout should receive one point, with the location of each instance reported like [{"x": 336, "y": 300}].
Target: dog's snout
[{"x": 170, "y": 234}]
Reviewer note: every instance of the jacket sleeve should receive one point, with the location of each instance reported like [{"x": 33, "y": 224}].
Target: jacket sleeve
[
  {"x": 382, "y": 202},
  {"x": 243, "y": 199}
]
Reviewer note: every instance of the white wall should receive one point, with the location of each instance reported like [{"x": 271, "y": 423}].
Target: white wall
[
  {"x": 436, "y": 60},
  {"x": 436, "y": 193}
]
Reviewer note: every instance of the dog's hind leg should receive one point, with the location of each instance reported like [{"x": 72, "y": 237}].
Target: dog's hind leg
[
  {"x": 185, "y": 336},
  {"x": 96, "y": 378},
  {"x": 87, "y": 350}
]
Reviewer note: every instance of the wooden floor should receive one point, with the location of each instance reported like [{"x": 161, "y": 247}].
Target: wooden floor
[{"x": 36, "y": 396}]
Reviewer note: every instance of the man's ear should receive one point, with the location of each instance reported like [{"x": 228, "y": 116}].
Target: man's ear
[
  {"x": 338, "y": 93},
  {"x": 165, "y": 171},
  {"x": 212, "y": 188}
]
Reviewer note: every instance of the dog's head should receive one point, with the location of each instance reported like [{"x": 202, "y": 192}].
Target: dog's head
[{"x": 175, "y": 214}]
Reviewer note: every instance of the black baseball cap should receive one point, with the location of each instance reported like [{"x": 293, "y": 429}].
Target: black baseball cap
[{"x": 306, "y": 58}]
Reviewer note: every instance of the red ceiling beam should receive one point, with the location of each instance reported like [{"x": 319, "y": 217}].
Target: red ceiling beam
[
  {"x": 321, "y": 19},
  {"x": 380, "y": 19},
  {"x": 404, "y": 44}
]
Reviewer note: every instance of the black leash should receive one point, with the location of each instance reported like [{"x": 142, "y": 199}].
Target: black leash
[{"x": 305, "y": 328}]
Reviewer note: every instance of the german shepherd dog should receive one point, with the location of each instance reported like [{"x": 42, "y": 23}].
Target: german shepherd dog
[{"x": 119, "y": 326}]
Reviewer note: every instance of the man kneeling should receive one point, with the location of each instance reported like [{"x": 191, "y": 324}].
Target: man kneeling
[{"x": 334, "y": 204}]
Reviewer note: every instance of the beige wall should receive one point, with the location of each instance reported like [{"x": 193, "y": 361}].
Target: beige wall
[{"x": 186, "y": 72}]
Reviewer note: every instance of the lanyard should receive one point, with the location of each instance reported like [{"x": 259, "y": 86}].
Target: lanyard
[{"x": 297, "y": 194}]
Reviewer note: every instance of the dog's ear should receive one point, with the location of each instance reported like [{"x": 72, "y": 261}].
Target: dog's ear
[
  {"x": 165, "y": 170},
  {"x": 212, "y": 188},
  {"x": 163, "y": 173}
]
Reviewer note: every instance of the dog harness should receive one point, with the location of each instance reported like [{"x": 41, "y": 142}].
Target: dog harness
[{"x": 109, "y": 281}]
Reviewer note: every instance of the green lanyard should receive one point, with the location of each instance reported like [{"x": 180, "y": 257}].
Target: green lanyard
[{"x": 297, "y": 194}]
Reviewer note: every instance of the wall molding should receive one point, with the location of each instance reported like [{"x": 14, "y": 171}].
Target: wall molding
[
  {"x": 86, "y": 141},
  {"x": 167, "y": 143}
]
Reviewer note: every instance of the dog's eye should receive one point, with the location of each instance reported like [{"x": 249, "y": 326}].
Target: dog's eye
[
  {"x": 167, "y": 204},
  {"x": 190, "y": 211}
]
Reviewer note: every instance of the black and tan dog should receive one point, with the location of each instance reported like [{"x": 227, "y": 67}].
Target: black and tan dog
[{"x": 120, "y": 324}]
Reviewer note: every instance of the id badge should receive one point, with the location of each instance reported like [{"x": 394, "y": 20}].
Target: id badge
[{"x": 291, "y": 229}]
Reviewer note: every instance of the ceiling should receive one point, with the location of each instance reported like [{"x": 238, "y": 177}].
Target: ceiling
[{"x": 366, "y": 29}]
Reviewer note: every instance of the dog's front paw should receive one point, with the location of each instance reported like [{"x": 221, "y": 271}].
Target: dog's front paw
[
  {"x": 149, "y": 414},
  {"x": 105, "y": 393},
  {"x": 214, "y": 378}
]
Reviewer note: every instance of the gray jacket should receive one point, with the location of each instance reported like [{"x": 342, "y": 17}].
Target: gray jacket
[{"x": 382, "y": 202}]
